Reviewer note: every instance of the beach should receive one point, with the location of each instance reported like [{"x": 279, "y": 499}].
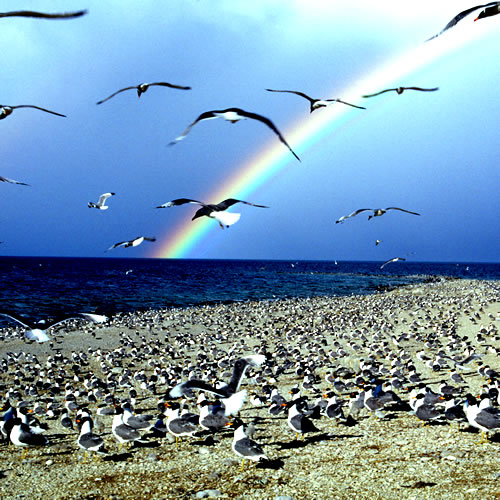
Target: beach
[{"x": 388, "y": 456}]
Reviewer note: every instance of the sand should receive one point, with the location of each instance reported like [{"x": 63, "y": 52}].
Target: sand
[{"x": 390, "y": 457}]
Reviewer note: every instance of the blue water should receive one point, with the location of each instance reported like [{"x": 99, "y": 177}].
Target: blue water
[{"x": 38, "y": 287}]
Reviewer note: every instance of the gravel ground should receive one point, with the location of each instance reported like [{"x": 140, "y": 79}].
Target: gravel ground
[{"x": 389, "y": 457}]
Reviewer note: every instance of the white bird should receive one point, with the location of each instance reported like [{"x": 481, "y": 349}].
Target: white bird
[
  {"x": 395, "y": 259},
  {"x": 245, "y": 447},
  {"x": 12, "y": 181},
  {"x": 217, "y": 212},
  {"x": 377, "y": 212},
  {"x": 142, "y": 87},
  {"x": 21, "y": 435},
  {"x": 234, "y": 115},
  {"x": 89, "y": 441},
  {"x": 101, "y": 202},
  {"x": 38, "y": 330},
  {"x": 132, "y": 243}
]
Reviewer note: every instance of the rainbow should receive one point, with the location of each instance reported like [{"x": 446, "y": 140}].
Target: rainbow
[{"x": 182, "y": 241}]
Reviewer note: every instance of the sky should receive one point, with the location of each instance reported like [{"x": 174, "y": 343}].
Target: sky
[{"x": 435, "y": 153}]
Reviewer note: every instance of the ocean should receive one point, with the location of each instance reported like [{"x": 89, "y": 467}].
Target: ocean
[{"x": 44, "y": 286}]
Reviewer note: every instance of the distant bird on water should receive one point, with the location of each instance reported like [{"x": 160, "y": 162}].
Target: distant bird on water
[
  {"x": 5, "y": 111},
  {"x": 217, "y": 212},
  {"x": 101, "y": 203},
  {"x": 12, "y": 181},
  {"x": 316, "y": 103},
  {"x": 395, "y": 259},
  {"x": 234, "y": 115},
  {"x": 377, "y": 212},
  {"x": 132, "y": 243},
  {"x": 142, "y": 87},
  {"x": 400, "y": 90},
  {"x": 38, "y": 329},
  {"x": 492, "y": 9},
  {"x": 43, "y": 15}
]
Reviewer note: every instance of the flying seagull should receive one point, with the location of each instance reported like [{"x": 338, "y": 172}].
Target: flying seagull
[
  {"x": 37, "y": 330},
  {"x": 217, "y": 212},
  {"x": 316, "y": 103},
  {"x": 377, "y": 212},
  {"x": 132, "y": 243},
  {"x": 234, "y": 115},
  {"x": 101, "y": 203},
  {"x": 400, "y": 90},
  {"x": 12, "y": 181},
  {"x": 5, "y": 111},
  {"x": 491, "y": 9},
  {"x": 395, "y": 259},
  {"x": 142, "y": 87},
  {"x": 43, "y": 15},
  {"x": 377, "y": 242}
]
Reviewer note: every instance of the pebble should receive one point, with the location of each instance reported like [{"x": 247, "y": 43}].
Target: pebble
[
  {"x": 283, "y": 497},
  {"x": 208, "y": 494}
]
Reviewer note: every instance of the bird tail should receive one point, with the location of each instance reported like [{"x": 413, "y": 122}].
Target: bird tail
[
  {"x": 233, "y": 403},
  {"x": 226, "y": 218}
]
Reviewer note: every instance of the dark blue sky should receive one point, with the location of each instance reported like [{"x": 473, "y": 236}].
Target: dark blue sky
[{"x": 433, "y": 153}]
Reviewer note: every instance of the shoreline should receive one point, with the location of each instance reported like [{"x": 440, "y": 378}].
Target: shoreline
[{"x": 392, "y": 457}]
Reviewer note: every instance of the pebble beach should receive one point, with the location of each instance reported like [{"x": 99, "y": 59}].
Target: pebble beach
[{"x": 385, "y": 456}]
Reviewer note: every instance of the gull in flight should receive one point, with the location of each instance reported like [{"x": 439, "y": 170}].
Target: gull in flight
[
  {"x": 142, "y": 87},
  {"x": 400, "y": 90},
  {"x": 43, "y": 15},
  {"x": 492, "y": 9},
  {"x": 377, "y": 212},
  {"x": 101, "y": 203},
  {"x": 37, "y": 330},
  {"x": 5, "y": 111},
  {"x": 12, "y": 181},
  {"x": 217, "y": 212},
  {"x": 316, "y": 103},
  {"x": 132, "y": 243},
  {"x": 395, "y": 259},
  {"x": 234, "y": 115}
]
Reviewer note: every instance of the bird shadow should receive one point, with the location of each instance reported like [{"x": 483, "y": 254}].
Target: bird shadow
[
  {"x": 118, "y": 457},
  {"x": 146, "y": 444},
  {"x": 296, "y": 443},
  {"x": 274, "y": 464}
]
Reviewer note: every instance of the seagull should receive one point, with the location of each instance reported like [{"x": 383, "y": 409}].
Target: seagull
[
  {"x": 231, "y": 398},
  {"x": 43, "y": 15},
  {"x": 395, "y": 259},
  {"x": 484, "y": 419},
  {"x": 142, "y": 87},
  {"x": 217, "y": 212},
  {"x": 21, "y": 435},
  {"x": 377, "y": 242},
  {"x": 491, "y": 9},
  {"x": 123, "y": 432},
  {"x": 101, "y": 203},
  {"x": 316, "y": 103},
  {"x": 12, "y": 181},
  {"x": 132, "y": 243},
  {"x": 245, "y": 447},
  {"x": 38, "y": 330},
  {"x": 377, "y": 212},
  {"x": 234, "y": 115},
  {"x": 89, "y": 441},
  {"x": 400, "y": 90},
  {"x": 5, "y": 111},
  {"x": 299, "y": 422}
]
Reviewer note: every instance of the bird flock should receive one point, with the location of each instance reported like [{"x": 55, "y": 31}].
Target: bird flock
[{"x": 232, "y": 114}]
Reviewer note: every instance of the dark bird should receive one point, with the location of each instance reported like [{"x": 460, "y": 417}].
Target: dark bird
[
  {"x": 21, "y": 435},
  {"x": 491, "y": 9},
  {"x": 400, "y": 90},
  {"x": 142, "y": 87},
  {"x": 132, "y": 243},
  {"x": 217, "y": 212},
  {"x": 101, "y": 202},
  {"x": 234, "y": 115},
  {"x": 43, "y": 15},
  {"x": 377, "y": 212},
  {"x": 12, "y": 181},
  {"x": 88, "y": 440},
  {"x": 299, "y": 422},
  {"x": 245, "y": 447},
  {"x": 37, "y": 330},
  {"x": 316, "y": 103},
  {"x": 5, "y": 111},
  {"x": 395, "y": 259}
]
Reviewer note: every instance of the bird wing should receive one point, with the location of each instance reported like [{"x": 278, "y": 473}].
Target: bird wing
[
  {"x": 103, "y": 198},
  {"x": 180, "y": 201},
  {"x": 344, "y": 217},
  {"x": 207, "y": 115},
  {"x": 149, "y": 238},
  {"x": 459, "y": 17},
  {"x": 395, "y": 259},
  {"x": 266, "y": 121},
  {"x": 185, "y": 388},
  {"x": 37, "y": 107},
  {"x": 348, "y": 104},
  {"x": 166, "y": 84},
  {"x": 402, "y": 210},
  {"x": 378, "y": 93},
  {"x": 96, "y": 318},
  {"x": 19, "y": 319},
  {"x": 420, "y": 88},
  {"x": 301, "y": 94},
  {"x": 12, "y": 181},
  {"x": 121, "y": 243},
  {"x": 224, "y": 205},
  {"x": 117, "y": 92},
  {"x": 43, "y": 15}
]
